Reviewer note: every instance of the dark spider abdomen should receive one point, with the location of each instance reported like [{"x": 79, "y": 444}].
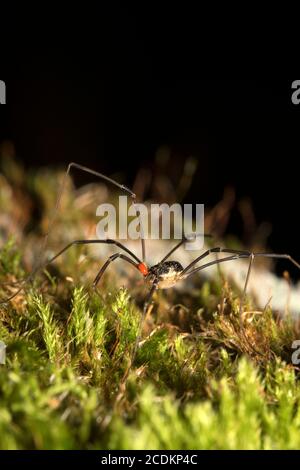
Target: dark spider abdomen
[{"x": 167, "y": 274}]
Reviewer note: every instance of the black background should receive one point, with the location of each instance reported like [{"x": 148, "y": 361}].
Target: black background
[{"x": 112, "y": 103}]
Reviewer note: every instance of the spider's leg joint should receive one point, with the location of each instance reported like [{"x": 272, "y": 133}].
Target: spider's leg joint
[{"x": 143, "y": 268}]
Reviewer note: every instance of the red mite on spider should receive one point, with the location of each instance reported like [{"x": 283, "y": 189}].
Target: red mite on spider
[{"x": 166, "y": 274}]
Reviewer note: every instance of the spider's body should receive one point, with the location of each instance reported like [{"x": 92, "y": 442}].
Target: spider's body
[{"x": 166, "y": 274}]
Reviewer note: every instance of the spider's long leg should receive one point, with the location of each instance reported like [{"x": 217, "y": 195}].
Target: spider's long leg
[
  {"x": 236, "y": 255},
  {"x": 76, "y": 242},
  {"x": 94, "y": 242},
  {"x": 103, "y": 177},
  {"x": 184, "y": 240},
  {"x": 209, "y": 252},
  {"x": 109, "y": 261},
  {"x": 251, "y": 261}
]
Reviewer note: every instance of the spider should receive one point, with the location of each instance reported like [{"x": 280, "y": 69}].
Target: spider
[{"x": 164, "y": 275}]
